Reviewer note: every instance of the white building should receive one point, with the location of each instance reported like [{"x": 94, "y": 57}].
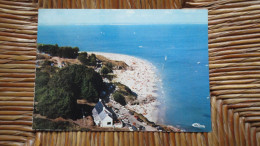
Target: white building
[{"x": 102, "y": 116}]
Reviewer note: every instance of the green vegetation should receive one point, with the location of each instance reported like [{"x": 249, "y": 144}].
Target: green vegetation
[
  {"x": 57, "y": 93},
  {"x": 49, "y": 49},
  {"x": 39, "y": 123},
  {"x": 124, "y": 91},
  {"x": 87, "y": 60},
  {"x": 56, "y": 103},
  {"x": 92, "y": 60},
  {"x": 46, "y": 63},
  {"x": 45, "y": 66},
  {"x": 55, "y": 50},
  {"x": 83, "y": 58},
  {"x": 42, "y": 79},
  {"x": 119, "y": 98},
  {"x": 105, "y": 70},
  {"x": 109, "y": 65}
]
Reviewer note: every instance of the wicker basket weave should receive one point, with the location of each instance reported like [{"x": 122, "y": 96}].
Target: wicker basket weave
[{"x": 234, "y": 54}]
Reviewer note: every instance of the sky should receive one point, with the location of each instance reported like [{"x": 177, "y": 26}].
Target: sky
[{"x": 121, "y": 16}]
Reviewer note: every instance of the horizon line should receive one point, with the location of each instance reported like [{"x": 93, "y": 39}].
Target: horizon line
[{"x": 120, "y": 24}]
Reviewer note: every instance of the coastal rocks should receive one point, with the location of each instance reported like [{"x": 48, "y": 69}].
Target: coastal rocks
[{"x": 171, "y": 128}]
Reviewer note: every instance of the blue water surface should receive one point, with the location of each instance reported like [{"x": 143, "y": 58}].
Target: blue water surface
[{"x": 180, "y": 53}]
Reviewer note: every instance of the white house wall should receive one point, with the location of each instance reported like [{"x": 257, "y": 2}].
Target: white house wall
[{"x": 104, "y": 122}]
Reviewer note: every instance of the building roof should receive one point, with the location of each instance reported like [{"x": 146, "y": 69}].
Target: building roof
[
  {"x": 99, "y": 107},
  {"x": 103, "y": 115},
  {"x": 102, "y": 111}
]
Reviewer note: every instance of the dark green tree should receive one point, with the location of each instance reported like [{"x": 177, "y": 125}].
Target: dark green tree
[
  {"x": 42, "y": 79},
  {"x": 89, "y": 92},
  {"x": 40, "y": 92},
  {"x": 46, "y": 63},
  {"x": 83, "y": 58},
  {"x": 76, "y": 52},
  {"x": 49, "y": 49},
  {"x": 119, "y": 98},
  {"x": 109, "y": 65},
  {"x": 56, "y": 103},
  {"x": 84, "y": 82},
  {"x": 92, "y": 60},
  {"x": 92, "y": 85},
  {"x": 105, "y": 70},
  {"x": 55, "y": 50},
  {"x": 57, "y": 97}
]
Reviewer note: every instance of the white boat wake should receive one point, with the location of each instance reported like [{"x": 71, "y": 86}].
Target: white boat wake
[{"x": 198, "y": 125}]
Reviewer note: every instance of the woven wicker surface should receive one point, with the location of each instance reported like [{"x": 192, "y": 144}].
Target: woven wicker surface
[{"x": 234, "y": 54}]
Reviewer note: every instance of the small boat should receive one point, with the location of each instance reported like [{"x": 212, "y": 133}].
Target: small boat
[{"x": 165, "y": 58}]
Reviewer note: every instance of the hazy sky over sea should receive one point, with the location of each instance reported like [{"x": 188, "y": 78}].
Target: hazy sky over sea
[{"x": 121, "y": 17}]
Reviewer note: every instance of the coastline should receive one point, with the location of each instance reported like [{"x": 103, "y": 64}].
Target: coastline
[{"x": 141, "y": 78}]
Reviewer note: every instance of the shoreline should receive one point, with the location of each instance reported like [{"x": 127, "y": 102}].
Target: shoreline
[{"x": 140, "y": 76}]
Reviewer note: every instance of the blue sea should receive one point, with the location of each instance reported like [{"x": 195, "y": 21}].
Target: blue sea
[{"x": 180, "y": 53}]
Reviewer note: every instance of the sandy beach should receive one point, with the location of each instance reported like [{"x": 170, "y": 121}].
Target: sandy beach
[{"x": 141, "y": 78}]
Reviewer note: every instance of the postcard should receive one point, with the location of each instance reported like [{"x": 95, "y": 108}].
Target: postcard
[{"x": 122, "y": 70}]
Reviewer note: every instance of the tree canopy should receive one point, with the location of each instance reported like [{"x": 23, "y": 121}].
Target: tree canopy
[
  {"x": 83, "y": 58},
  {"x": 119, "y": 98},
  {"x": 86, "y": 59},
  {"x": 55, "y": 50},
  {"x": 105, "y": 70},
  {"x": 57, "y": 102},
  {"x": 92, "y": 59},
  {"x": 58, "y": 97}
]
